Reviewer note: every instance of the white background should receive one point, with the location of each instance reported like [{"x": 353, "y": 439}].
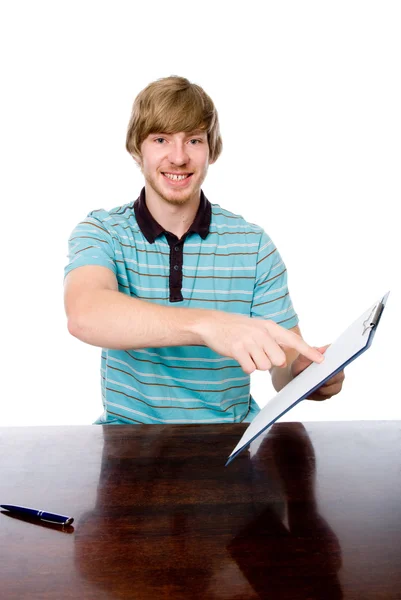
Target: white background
[{"x": 309, "y": 99}]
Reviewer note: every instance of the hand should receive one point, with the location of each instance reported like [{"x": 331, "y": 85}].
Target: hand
[
  {"x": 254, "y": 343},
  {"x": 332, "y": 386}
]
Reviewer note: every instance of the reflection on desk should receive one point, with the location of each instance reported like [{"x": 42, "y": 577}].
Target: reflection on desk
[{"x": 295, "y": 557}]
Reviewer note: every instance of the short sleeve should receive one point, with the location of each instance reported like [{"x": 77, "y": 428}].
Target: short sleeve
[
  {"x": 271, "y": 299},
  {"x": 91, "y": 243}
]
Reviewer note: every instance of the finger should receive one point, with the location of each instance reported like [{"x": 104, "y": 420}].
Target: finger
[
  {"x": 329, "y": 390},
  {"x": 260, "y": 358},
  {"x": 339, "y": 378},
  {"x": 276, "y": 354},
  {"x": 289, "y": 338},
  {"x": 245, "y": 361},
  {"x": 317, "y": 396}
]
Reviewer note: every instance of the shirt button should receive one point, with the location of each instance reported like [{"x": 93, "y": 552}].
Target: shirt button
[
  {"x": 176, "y": 248},
  {"x": 176, "y": 267}
]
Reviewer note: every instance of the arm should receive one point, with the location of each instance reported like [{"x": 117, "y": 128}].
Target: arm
[{"x": 100, "y": 315}]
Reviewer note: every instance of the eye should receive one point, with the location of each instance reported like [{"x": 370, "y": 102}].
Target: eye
[
  {"x": 159, "y": 140},
  {"x": 196, "y": 142}
]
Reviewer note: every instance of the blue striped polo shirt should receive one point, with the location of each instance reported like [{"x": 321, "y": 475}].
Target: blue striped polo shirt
[{"x": 221, "y": 263}]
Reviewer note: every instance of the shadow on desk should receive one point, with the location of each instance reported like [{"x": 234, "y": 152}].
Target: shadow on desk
[{"x": 171, "y": 521}]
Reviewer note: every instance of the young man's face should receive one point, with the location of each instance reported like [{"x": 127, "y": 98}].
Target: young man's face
[{"x": 175, "y": 165}]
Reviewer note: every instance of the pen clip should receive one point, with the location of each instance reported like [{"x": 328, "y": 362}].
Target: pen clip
[{"x": 373, "y": 318}]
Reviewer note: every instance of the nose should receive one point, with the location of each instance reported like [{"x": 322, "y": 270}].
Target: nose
[{"x": 178, "y": 154}]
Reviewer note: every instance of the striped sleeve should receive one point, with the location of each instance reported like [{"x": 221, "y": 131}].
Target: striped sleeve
[
  {"x": 271, "y": 299},
  {"x": 90, "y": 243}
]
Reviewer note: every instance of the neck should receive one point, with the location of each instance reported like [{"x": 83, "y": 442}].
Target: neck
[{"x": 176, "y": 218}]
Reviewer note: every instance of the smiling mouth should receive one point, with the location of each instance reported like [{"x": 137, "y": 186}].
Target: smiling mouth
[{"x": 177, "y": 176}]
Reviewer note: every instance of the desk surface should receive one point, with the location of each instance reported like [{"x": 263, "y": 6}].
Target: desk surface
[{"x": 310, "y": 512}]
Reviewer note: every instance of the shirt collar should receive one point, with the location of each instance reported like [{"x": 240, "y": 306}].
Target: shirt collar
[{"x": 151, "y": 228}]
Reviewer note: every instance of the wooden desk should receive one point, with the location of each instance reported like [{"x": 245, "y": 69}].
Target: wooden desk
[{"x": 313, "y": 513}]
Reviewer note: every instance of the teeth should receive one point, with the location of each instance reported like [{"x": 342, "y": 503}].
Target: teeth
[{"x": 175, "y": 177}]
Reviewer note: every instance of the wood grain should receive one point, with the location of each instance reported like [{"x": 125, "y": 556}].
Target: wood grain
[{"x": 311, "y": 512}]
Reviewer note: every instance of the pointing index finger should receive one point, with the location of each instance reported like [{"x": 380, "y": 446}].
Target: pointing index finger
[{"x": 293, "y": 340}]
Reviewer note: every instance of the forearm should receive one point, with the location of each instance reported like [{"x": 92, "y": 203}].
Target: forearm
[
  {"x": 111, "y": 319},
  {"x": 100, "y": 315}
]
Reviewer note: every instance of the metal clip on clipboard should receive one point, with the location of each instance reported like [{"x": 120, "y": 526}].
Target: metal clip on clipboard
[{"x": 374, "y": 317}]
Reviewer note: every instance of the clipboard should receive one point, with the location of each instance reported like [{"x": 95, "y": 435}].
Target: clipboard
[{"x": 353, "y": 342}]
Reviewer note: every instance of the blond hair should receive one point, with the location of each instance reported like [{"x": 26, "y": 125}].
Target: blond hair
[{"x": 171, "y": 105}]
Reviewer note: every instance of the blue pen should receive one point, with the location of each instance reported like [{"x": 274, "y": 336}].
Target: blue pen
[{"x": 42, "y": 515}]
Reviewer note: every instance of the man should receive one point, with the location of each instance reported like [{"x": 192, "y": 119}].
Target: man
[{"x": 185, "y": 298}]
